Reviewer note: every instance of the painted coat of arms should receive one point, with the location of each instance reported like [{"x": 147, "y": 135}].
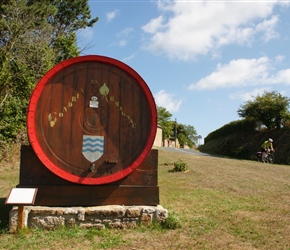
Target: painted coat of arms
[{"x": 93, "y": 147}]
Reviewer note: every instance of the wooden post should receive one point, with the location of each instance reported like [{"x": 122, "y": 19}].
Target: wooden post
[
  {"x": 21, "y": 197},
  {"x": 20, "y": 223}
]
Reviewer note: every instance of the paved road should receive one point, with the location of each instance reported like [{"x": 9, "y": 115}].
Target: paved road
[{"x": 183, "y": 150}]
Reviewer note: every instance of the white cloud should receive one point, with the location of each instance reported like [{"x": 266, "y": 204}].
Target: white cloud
[
  {"x": 238, "y": 73},
  {"x": 84, "y": 37},
  {"x": 279, "y": 59},
  {"x": 166, "y": 100},
  {"x": 153, "y": 25},
  {"x": 85, "y": 34},
  {"x": 283, "y": 76},
  {"x": 125, "y": 32},
  {"x": 267, "y": 28},
  {"x": 250, "y": 95},
  {"x": 111, "y": 15},
  {"x": 242, "y": 73},
  {"x": 130, "y": 57},
  {"x": 190, "y": 28},
  {"x": 246, "y": 96},
  {"x": 122, "y": 42},
  {"x": 124, "y": 35}
]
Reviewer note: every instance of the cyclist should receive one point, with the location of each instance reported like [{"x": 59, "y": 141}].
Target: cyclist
[{"x": 266, "y": 147}]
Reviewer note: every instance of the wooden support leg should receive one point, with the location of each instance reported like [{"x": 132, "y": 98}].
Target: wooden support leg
[{"x": 20, "y": 224}]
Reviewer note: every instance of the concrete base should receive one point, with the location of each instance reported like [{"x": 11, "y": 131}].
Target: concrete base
[{"x": 100, "y": 217}]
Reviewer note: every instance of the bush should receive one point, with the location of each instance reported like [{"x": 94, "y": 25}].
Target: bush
[
  {"x": 171, "y": 222},
  {"x": 12, "y": 119},
  {"x": 180, "y": 166},
  {"x": 232, "y": 127}
]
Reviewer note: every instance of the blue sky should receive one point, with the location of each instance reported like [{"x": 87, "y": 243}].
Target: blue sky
[{"x": 201, "y": 59}]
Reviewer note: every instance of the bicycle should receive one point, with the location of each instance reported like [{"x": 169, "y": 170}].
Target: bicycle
[{"x": 269, "y": 157}]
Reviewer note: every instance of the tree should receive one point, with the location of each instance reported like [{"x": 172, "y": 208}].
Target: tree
[
  {"x": 24, "y": 43},
  {"x": 269, "y": 110},
  {"x": 186, "y": 135},
  {"x": 164, "y": 117},
  {"x": 191, "y": 135},
  {"x": 34, "y": 36},
  {"x": 71, "y": 16},
  {"x": 25, "y": 55}
]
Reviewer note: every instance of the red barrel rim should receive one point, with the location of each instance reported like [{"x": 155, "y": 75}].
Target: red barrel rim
[{"x": 31, "y": 124}]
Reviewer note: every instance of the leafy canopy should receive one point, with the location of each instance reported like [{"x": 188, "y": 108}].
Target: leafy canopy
[
  {"x": 34, "y": 36},
  {"x": 164, "y": 121},
  {"x": 269, "y": 110},
  {"x": 186, "y": 134}
]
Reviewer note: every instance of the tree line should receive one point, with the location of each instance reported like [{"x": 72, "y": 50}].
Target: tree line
[
  {"x": 35, "y": 35},
  {"x": 171, "y": 130},
  {"x": 266, "y": 111}
]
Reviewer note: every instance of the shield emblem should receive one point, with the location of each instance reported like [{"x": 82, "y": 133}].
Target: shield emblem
[{"x": 93, "y": 147}]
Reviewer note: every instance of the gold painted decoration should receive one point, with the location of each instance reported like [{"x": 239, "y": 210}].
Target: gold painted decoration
[
  {"x": 51, "y": 120},
  {"x": 104, "y": 91}
]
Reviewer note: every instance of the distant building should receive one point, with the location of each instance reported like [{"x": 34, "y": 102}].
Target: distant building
[
  {"x": 171, "y": 143},
  {"x": 158, "y": 138}
]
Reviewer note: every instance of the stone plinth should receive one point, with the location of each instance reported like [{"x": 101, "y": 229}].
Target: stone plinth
[{"x": 100, "y": 217}]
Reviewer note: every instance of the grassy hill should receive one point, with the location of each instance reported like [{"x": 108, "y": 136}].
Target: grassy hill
[
  {"x": 244, "y": 144},
  {"x": 221, "y": 203}
]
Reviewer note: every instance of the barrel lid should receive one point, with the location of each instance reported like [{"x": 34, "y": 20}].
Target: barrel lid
[{"x": 92, "y": 120}]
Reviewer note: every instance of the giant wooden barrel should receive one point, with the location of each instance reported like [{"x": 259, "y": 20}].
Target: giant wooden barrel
[{"x": 92, "y": 120}]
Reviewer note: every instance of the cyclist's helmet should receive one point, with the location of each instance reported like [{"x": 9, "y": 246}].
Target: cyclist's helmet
[{"x": 270, "y": 140}]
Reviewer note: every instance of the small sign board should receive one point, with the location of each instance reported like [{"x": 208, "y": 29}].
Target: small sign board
[{"x": 21, "y": 196}]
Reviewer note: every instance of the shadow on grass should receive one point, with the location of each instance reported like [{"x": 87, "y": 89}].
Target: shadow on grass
[{"x": 4, "y": 215}]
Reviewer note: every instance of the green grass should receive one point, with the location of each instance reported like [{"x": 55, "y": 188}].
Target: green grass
[
  {"x": 217, "y": 204},
  {"x": 63, "y": 238}
]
